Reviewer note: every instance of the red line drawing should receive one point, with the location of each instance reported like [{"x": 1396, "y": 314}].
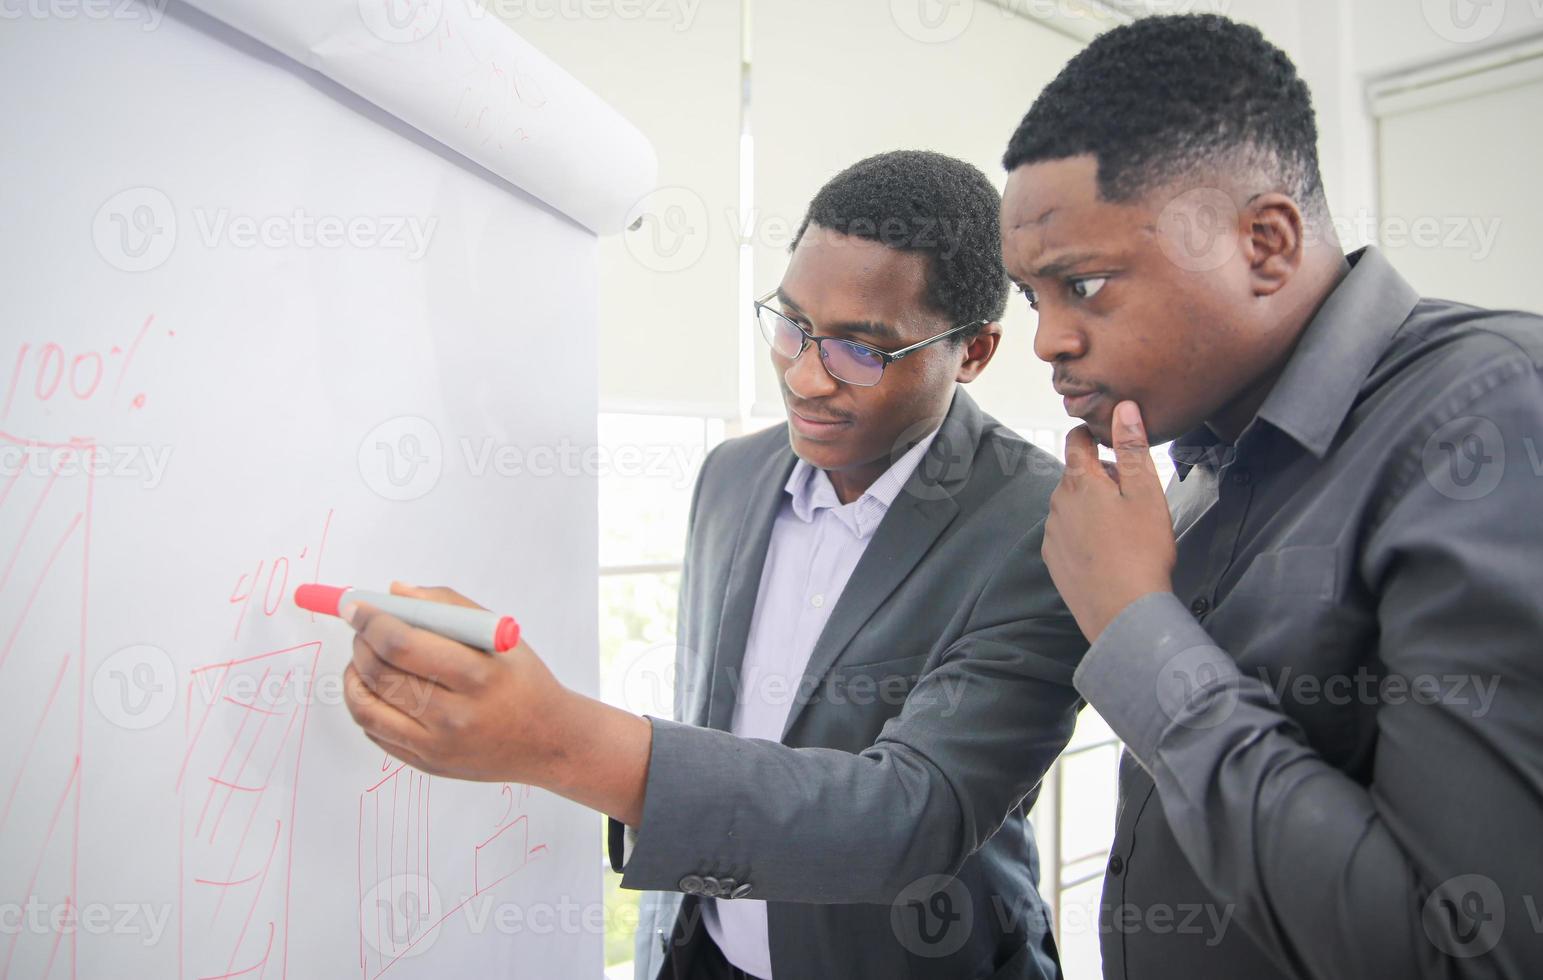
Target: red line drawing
[
  {"x": 386, "y": 935},
  {"x": 238, "y": 769},
  {"x": 45, "y": 538}
]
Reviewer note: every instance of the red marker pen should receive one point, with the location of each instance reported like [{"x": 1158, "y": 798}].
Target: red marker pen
[{"x": 473, "y": 627}]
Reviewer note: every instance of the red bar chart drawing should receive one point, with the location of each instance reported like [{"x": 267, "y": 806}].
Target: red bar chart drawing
[
  {"x": 404, "y": 899},
  {"x": 45, "y": 535},
  {"x": 245, "y": 723}
]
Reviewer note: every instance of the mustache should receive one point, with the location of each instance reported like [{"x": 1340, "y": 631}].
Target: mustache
[
  {"x": 813, "y": 410},
  {"x": 1061, "y": 379}
]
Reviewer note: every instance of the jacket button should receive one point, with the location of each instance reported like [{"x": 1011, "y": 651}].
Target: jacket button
[
  {"x": 1199, "y": 606},
  {"x": 741, "y": 891},
  {"x": 1116, "y": 864},
  {"x": 691, "y": 885},
  {"x": 710, "y": 887}
]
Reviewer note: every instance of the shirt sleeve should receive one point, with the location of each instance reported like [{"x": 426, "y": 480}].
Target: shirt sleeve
[{"x": 1434, "y": 869}]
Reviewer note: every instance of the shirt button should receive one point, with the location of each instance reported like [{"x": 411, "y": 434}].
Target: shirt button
[
  {"x": 1116, "y": 865},
  {"x": 1199, "y": 606},
  {"x": 817, "y": 601}
]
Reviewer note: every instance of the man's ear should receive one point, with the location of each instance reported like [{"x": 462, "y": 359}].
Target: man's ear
[
  {"x": 978, "y": 352},
  {"x": 1276, "y": 243}
]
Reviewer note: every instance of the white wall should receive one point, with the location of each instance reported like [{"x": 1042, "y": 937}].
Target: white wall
[
  {"x": 834, "y": 83},
  {"x": 1340, "y": 46}
]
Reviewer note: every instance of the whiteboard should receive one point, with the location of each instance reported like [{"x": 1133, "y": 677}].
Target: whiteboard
[{"x": 259, "y": 331}]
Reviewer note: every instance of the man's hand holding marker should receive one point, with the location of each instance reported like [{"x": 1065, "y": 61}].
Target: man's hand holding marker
[{"x": 497, "y": 715}]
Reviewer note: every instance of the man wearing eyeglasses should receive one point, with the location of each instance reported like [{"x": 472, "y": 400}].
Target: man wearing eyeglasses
[{"x": 874, "y": 668}]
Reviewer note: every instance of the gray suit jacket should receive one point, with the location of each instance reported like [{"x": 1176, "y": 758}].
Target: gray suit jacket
[{"x": 888, "y": 832}]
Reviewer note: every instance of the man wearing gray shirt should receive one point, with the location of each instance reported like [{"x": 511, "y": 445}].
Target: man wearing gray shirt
[{"x": 1328, "y": 668}]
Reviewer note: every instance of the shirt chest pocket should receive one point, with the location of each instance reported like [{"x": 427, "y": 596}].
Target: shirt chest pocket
[{"x": 1291, "y": 622}]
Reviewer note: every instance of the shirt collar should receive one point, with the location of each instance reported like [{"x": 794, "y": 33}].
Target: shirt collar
[
  {"x": 1337, "y": 351},
  {"x": 811, "y": 490}
]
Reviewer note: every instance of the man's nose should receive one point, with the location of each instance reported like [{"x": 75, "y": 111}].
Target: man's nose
[
  {"x": 807, "y": 378},
  {"x": 1058, "y": 337}
]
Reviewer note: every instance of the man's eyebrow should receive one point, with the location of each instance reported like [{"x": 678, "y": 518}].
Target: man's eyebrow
[
  {"x": 1062, "y": 264},
  {"x": 877, "y": 329}
]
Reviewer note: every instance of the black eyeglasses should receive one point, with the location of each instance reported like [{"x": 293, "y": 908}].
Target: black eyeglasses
[{"x": 846, "y": 360}]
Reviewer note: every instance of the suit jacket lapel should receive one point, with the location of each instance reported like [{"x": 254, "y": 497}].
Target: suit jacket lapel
[
  {"x": 919, "y": 514},
  {"x": 744, "y": 584}
]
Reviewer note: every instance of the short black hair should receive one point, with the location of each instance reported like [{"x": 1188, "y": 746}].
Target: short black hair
[
  {"x": 919, "y": 201},
  {"x": 1166, "y": 95}
]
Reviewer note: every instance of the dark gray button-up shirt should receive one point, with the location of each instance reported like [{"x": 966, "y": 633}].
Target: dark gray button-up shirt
[{"x": 1335, "y": 722}]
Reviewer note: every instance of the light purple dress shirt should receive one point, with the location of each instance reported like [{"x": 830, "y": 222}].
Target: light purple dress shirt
[{"x": 816, "y": 542}]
